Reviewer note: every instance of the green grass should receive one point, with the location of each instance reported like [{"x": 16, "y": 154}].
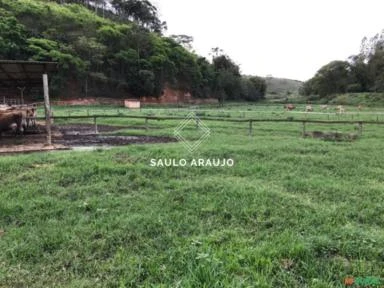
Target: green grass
[{"x": 292, "y": 212}]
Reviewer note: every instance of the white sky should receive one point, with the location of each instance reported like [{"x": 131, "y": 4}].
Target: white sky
[{"x": 290, "y": 39}]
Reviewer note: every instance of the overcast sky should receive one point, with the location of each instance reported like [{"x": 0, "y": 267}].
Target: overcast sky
[{"x": 285, "y": 38}]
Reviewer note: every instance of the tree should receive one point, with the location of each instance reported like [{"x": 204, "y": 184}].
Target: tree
[
  {"x": 227, "y": 78},
  {"x": 183, "y": 40},
  {"x": 330, "y": 79},
  {"x": 13, "y": 37},
  {"x": 141, "y": 12}
]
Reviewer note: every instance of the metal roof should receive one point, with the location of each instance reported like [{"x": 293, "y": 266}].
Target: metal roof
[{"x": 15, "y": 73}]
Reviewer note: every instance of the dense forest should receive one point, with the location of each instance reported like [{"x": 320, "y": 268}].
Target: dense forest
[
  {"x": 116, "y": 49},
  {"x": 363, "y": 72}
]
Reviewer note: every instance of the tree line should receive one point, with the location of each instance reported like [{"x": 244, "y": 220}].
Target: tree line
[
  {"x": 363, "y": 72},
  {"x": 116, "y": 48}
]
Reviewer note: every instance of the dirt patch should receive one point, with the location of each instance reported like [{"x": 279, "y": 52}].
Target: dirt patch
[
  {"x": 332, "y": 136},
  {"x": 73, "y": 136}
]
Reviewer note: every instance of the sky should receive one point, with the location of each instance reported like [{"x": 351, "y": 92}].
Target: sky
[{"x": 289, "y": 39}]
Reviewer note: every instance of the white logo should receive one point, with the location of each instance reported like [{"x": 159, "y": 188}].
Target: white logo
[{"x": 191, "y": 119}]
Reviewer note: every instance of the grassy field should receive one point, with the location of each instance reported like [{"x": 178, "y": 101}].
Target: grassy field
[{"x": 291, "y": 212}]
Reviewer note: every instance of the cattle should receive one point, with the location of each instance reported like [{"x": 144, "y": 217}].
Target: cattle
[
  {"x": 289, "y": 107},
  {"x": 324, "y": 107},
  {"x": 12, "y": 120},
  {"x": 30, "y": 116},
  {"x": 308, "y": 108},
  {"x": 360, "y": 107},
  {"x": 6, "y": 108},
  {"x": 340, "y": 109}
]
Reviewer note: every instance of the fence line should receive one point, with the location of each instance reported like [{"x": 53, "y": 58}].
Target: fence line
[
  {"x": 198, "y": 119},
  {"x": 220, "y": 119}
]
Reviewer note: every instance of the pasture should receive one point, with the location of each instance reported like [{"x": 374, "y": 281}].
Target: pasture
[{"x": 291, "y": 212}]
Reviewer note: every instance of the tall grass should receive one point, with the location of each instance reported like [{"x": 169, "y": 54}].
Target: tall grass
[{"x": 292, "y": 212}]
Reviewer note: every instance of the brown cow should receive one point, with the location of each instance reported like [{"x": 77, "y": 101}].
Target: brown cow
[
  {"x": 11, "y": 119},
  {"x": 289, "y": 107}
]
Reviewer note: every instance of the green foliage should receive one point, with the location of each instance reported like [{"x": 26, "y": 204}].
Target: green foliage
[
  {"x": 12, "y": 37},
  {"x": 363, "y": 73},
  {"x": 114, "y": 56},
  {"x": 142, "y": 12}
]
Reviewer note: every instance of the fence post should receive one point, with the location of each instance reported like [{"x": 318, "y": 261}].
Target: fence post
[
  {"x": 360, "y": 128},
  {"x": 47, "y": 109},
  {"x": 250, "y": 128},
  {"x": 95, "y": 122},
  {"x": 304, "y": 128}
]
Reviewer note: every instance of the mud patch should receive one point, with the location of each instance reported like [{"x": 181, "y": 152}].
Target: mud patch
[
  {"x": 84, "y": 135},
  {"x": 81, "y": 137},
  {"x": 332, "y": 136}
]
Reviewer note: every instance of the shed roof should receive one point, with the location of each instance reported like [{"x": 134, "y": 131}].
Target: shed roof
[{"x": 14, "y": 73}]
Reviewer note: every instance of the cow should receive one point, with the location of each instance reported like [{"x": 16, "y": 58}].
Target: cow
[
  {"x": 340, "y": 109},
  {"x": 324, "y": 107},
  {"x": 10, "y": 120},
  {"x": 360, "y": 107},
  {"x": 308, "y": 108},
  {"x": 289, "y": 107},
  {"x": 6, "y": 108},
  {"x": 30, "y": 116}
]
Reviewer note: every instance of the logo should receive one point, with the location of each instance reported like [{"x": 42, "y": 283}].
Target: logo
[
  {"x": 363, "y": 282},
  {"x": 184, "y": 126}
]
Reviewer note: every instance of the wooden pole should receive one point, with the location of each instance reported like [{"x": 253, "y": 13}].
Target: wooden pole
[
  {"x": 95, "y": 122},
  {"x": 47, "y": 109},
  {"x": 304, "y": 128},
  {"x": 360, "y": 128},
  {"x": 21, "y": 94}
]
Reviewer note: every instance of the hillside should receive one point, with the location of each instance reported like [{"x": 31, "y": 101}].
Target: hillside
[
  {"x": 281, "y": 87},
  {"x": 121, "y": 55}
]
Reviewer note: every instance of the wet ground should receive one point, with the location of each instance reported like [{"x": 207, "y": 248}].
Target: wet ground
[
  {"x": 73, "y": 136},
  {"x": 84, "y": 135}
]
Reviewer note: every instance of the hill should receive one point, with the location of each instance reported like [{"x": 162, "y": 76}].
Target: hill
[
  {"x": 120, "y": 55},
  {"x": 281, "y": 87}
]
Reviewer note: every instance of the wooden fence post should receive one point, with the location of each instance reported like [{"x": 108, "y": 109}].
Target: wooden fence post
[
  {"x": 95, "y": 122},
  {"x": 47, "y": 109},
  {"x": 360, "y": 128}
]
